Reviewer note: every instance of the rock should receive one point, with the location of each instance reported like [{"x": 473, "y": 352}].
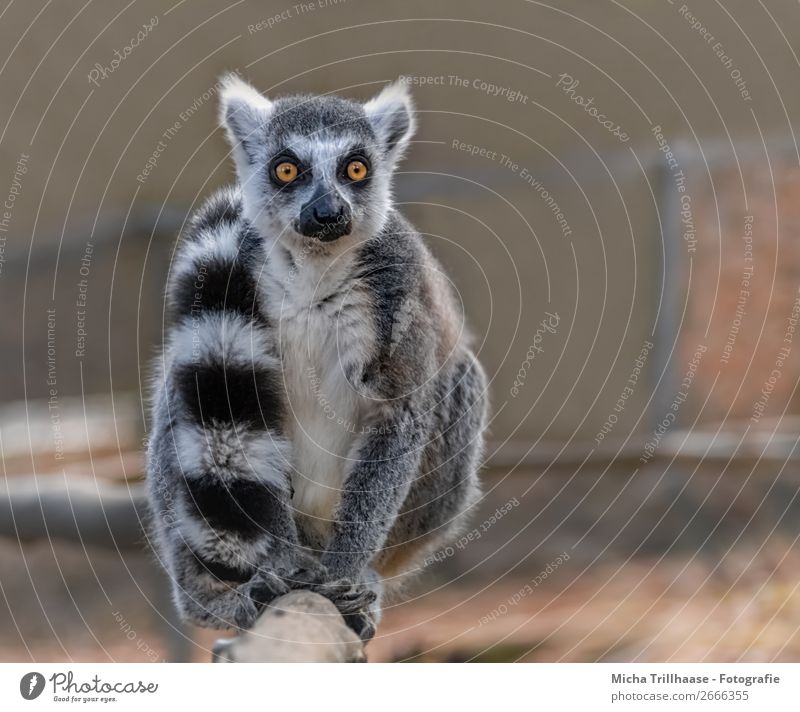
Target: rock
[{"x": 299, "y": 627}]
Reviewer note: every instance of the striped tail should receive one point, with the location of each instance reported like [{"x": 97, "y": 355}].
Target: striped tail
[{"x": 221, "y": 409}]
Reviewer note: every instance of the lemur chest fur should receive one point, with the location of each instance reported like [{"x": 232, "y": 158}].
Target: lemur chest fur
[{"x": 325, "y": 333}]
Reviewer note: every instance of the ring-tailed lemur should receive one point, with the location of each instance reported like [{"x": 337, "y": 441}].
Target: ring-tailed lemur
[{"x": 318, "y": 415}]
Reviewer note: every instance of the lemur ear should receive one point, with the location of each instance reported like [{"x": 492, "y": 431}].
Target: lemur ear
[
  {"x": 392, "y": 116},
  {"x": 244, "y": 112}
]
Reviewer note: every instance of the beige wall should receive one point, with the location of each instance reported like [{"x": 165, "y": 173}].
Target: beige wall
[{"x": 504, "y": 248}]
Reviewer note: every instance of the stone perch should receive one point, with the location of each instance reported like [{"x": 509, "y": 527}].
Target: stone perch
[{"x": 299, "y": 627}]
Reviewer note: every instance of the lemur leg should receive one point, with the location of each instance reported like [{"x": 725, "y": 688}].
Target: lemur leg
[
  {"x": 214, "y": 596},
  {"x": 422, "y": 514},
  {"x": 384, "y": 462},
  {"x": 446, "y": 489}
]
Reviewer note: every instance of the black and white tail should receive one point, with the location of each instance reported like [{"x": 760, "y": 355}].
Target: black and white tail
[{"x": 218, "y": 462}]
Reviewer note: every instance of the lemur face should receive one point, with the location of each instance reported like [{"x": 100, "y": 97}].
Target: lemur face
[{"x": 314, "y": 170}]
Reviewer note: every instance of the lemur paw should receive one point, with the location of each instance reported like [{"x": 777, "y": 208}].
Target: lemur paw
[
  {"x": 308, "y": 574},
  {"x": 362, "y": 623},
  {"x": 237, "y": 611},
  {"x": 347, "y": 595},
  {"x": 245, "y": 614},
  {"x": 265, "y": 587}
]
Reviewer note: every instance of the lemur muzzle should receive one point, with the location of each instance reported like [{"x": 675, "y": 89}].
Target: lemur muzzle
[{"x": 325, "y": 217}]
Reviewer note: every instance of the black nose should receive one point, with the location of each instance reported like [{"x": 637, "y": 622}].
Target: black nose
[{"x": 325, "y": 218}]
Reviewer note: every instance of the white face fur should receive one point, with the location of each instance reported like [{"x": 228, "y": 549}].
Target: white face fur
[{"x": 316, "y": 171}]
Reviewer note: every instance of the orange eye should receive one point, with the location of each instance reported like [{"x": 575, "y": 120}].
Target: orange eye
[
  {"x": 356, "y": 170},
  {"x": 286, "y": 172}
]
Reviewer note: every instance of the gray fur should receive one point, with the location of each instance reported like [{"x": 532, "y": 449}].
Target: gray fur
[{"x": 328, "y": 430}]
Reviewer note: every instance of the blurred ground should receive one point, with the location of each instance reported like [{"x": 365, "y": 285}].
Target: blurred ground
[{"x": 632, "y": 588}]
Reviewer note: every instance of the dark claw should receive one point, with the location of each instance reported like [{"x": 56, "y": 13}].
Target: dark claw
[{"x": 348, "y": 597}]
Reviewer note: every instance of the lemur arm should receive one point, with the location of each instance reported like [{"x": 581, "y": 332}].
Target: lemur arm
[
  {"x": 387, "y": 456},
  {"x": 385, "y": 460}
]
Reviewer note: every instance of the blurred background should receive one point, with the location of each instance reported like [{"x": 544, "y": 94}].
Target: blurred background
[{"x": 614, "y": 188}]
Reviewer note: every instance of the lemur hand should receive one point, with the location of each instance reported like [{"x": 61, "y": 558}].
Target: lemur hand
[{"x": 353, "y": 600}]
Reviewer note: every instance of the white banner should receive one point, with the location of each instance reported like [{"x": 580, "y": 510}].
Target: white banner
[{"x": 548, "y": 686}]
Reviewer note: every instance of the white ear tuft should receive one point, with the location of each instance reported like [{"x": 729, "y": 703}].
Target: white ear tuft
[
  {"x": 244, "y": 112},
  {"x": 392, "y": 116}
]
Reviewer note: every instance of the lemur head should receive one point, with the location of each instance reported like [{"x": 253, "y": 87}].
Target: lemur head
[{"x": 316, "y": 170}]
